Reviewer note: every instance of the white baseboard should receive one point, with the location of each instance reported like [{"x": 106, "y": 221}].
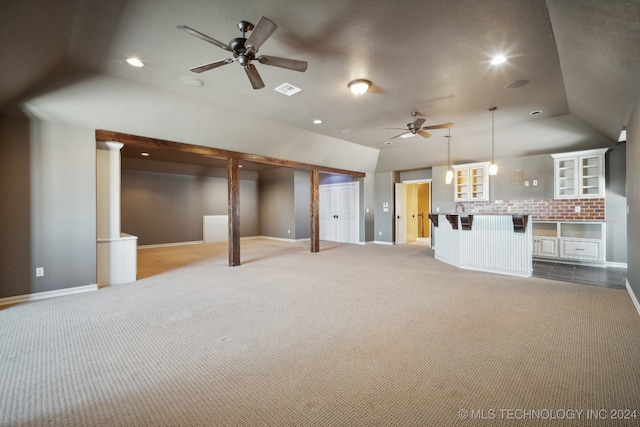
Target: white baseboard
[
  {"x": 165, "y": 245},
  {"x": 632, "y": 295},
  {"x": 18, "y": 299},
  {"x": 377, "y": 242},
  {"x": 617, "y": 264}
]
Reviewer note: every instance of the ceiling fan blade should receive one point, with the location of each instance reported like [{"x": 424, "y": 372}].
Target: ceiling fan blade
[
  {"x": 424, "y": 134},
  {"x": 419, "y": 122},
  {"x": 254, "y": 77},
  {"x": 204, "y": 37},
  {"x": 442, "y": 126},
  {"x": 291, "y": 64},
  {"x": 263, "y": 29},
  {"x": 211, "y": 65}
]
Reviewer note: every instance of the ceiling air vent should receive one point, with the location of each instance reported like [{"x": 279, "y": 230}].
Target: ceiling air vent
[{"x": 288, "y": 89}]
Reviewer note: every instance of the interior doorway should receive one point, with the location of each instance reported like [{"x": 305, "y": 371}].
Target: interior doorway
[{"x": 413, "y": 204}]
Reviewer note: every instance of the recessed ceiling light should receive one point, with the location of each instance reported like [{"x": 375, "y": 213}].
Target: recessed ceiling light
[
  {"x": 517, "y": 84},
  {"x": 191, "y": 81},
  {"x": 144, "y": 154},
  {"x": 345, "y": 131},
  {"x": 135, "y": 62},
  {"x": 536, "y": 112},
  {"x": 407, "y": 135},
  {"x": 496, "y": 60},
  {"x": 317, "y": 121},
  {"x": 387, "y": 143}
]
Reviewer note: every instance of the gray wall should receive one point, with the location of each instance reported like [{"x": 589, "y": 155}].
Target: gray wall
[
  {"x": 302, "y": 204},
  {"x": 51, "y": 220},
  {"x": 277, "y": 206},
  {"x": 633, "y": 200},
  {"x": 616, "y": 204},
  {"x": 384, "y": 224},
  {"x": 168, "y": 207},
  {"x": 15, "y": 192}
]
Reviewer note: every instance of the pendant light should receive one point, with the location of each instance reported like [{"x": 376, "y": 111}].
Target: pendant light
[
  {"x": 493, "y": 168},
  {"x": 449, "y": 177}
]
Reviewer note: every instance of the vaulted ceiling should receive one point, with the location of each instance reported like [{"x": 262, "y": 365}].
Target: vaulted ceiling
[{"x": 64, "y": 61}]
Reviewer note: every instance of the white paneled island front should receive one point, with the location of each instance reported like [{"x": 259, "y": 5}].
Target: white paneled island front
[{"x": 497, "y": 243}]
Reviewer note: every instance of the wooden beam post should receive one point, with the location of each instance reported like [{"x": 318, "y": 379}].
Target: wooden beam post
[
  {"x": 315, "y": 209},
  {"x": 233, "y": 184}
]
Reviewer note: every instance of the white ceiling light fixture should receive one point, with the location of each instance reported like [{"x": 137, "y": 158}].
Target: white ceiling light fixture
[
  {"x": 449, "y": 176},
  {"x": 317, "y": 122},
  {"x": 144, "y": 154},
  {"x": 359, "y": 86},
  {"x": 499, "y": 59},
  {"x": 135, "y": 62},
  {"x": 407, "y": 135},
  {"x": 493, "y": 168}
]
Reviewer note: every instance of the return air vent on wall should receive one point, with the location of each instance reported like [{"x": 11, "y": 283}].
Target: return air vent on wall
[{"x": 288, "y": 89}]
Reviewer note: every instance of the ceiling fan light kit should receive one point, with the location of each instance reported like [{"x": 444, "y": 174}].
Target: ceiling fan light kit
[
  {"x": 359, "y": 86},
  {"x": 245, "y": 50}
]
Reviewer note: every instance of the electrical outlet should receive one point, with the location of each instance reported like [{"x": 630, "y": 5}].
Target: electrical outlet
[
  {"x": 576, "y": 209},
  {"x": 437, "y": 208},
  {"x": 379, "y": 233},
  {"x": 508, "y": 208},
  {"x": 535, "y": 182},
  {"x": 39, "y": 271},
  {"x": 288, "y": 231},
  {"x": 526, "y": 183}
]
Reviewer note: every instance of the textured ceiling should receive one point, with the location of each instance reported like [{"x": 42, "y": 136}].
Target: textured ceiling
[{"x": 581, "y": 58}]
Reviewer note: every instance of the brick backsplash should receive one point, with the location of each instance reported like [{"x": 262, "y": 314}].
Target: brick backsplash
[{"x": 544, "y": 209}]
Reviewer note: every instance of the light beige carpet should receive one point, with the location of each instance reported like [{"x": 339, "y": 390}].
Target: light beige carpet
[{"x": 356, "y": 335}]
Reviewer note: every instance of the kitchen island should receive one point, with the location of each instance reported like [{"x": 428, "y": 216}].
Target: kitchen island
[{"x": 497, "y": 243}]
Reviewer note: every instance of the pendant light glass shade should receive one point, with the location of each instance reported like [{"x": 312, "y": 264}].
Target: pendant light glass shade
[
  {"x": 493, "y": 168},
  {"x": 449, "y": 176}
]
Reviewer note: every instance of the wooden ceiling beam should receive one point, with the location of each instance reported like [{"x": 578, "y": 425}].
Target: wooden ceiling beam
[{"x": 146, "y": 142}]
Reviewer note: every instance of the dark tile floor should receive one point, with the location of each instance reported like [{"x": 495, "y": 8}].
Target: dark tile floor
[{"x": 610, "y": 277}]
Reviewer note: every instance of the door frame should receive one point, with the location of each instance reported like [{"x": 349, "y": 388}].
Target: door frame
[{"x": 404, "y": 208}]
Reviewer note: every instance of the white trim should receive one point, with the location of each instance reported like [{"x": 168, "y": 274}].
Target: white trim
[
  {"x": 18, "y": 299},
  {"x": 617, "y": 264},
  {"x": 632, "y": 295},
  {"x": 378, "y": 242},
  {"x": 283, "y": 239},
  {"x": 163, "y": 245}
]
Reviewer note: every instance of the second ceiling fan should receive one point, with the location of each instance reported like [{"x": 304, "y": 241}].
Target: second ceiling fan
[
  {"x": 245, "y": 50},
  {"x": 416, "y": 128}
]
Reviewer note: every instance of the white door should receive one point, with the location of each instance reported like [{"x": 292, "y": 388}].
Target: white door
[
  {"x": 339, "y": 212},
  {"x": 347, "y": 213},
  {"x": 401, "y": 215},
  {"x": 328, "y": 223}
]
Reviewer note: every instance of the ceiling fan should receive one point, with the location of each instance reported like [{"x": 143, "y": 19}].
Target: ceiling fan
[
  {"x": 415, "y": 127},
  {"x": 245, "y": 50}
]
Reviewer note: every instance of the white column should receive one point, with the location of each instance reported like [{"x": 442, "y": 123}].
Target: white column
[
  {"x": 108, "y": 189},
  {"x": 117, "y": 252}
]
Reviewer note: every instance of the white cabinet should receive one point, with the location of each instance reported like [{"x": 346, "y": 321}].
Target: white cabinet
[
  {"x": 545, "y": 246},
  {"x": 471, "y": 182},
  {"x": 579, "y": 174},
  {"x": 570, "y": 241}
]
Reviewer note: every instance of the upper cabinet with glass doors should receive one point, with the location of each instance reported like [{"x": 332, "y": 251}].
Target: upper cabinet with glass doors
[
  {"x": 471, "y": 182},
  {"x": 579, "y": 174}
]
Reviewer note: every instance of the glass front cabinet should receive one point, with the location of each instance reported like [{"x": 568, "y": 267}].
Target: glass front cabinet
[
  {"x": 579, "y": 175},
  {"x": 471, "y": 182}
]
